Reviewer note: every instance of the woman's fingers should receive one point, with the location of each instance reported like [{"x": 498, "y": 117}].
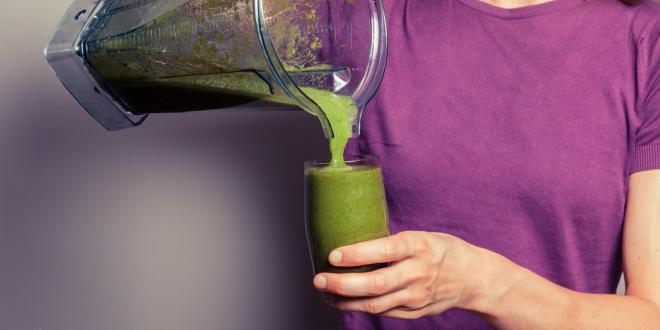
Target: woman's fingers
[
  {"x": 413, "y": 314},
  {"x": 375, "y": 283},
  {"x": 429, "y": 273},
  {"x": 382, "y": 250},
  {"x": 377, "y": 305},
  {"x": 403, "y": 314},
  {"x": 408, "y": 303}
]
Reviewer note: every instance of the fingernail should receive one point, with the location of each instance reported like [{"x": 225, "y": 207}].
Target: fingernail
[
  {"x": 335, "y": 257},
  {"x": 320, "y": 282}
]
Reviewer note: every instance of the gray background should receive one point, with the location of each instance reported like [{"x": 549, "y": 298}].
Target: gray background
[{"x": 191, "y": 221}]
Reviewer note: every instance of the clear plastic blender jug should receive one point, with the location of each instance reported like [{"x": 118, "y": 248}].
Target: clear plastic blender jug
[{"x": 124, "y": 59}]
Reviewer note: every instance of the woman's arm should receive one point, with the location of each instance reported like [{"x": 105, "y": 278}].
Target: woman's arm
[
  {"x": 434, "y": 272},
  {"x": 533, "y": 302}
]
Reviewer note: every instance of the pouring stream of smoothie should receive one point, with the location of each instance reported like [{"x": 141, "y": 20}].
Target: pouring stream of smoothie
[{"x": 341, "y": 113}]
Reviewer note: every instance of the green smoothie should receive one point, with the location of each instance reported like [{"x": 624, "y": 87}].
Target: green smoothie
[
  {"x": 345, "y": 205},
  {"x": 341, "y": 113},
  {"x": 345, "y": 201}
]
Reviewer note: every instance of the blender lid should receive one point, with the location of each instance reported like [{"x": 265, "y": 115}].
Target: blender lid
[{"x": 65, "y": 58}]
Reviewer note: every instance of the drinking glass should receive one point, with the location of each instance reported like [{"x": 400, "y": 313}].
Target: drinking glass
[{"x": 345, "y": 204}]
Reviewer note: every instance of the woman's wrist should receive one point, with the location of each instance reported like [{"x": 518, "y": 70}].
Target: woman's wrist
[
  {"x": 508, "y": 291},
  {"x": 495, "y": 278}
]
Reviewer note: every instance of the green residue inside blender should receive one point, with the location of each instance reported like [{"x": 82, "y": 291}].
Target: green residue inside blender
[
  {"x": 339, "y": 110},
  {"x": 188, "y": 59}
]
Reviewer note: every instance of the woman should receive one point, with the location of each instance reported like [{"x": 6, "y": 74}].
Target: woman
[{"x": 520, "y": 144}]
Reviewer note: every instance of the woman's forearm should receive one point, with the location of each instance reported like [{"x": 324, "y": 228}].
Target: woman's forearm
[{"x": 521, "y": 299}]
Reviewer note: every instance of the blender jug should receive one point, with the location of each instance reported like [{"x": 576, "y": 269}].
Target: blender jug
[{"x": 125, "y": 59}]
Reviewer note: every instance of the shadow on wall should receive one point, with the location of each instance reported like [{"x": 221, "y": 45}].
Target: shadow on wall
[{"x": 191, "y": 221}]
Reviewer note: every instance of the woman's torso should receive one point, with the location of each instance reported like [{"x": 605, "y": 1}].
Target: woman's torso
[{"x": 511, "y": 130}]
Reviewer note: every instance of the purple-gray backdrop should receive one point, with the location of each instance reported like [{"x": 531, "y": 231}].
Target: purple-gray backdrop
[{"x": 190, "y": 222}]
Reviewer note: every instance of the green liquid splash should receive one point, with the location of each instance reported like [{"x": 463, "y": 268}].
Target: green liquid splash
[{"x": 341, "y": 113}]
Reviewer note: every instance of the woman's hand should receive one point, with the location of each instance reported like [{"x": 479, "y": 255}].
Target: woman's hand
[{"x": 429, "y": 273}]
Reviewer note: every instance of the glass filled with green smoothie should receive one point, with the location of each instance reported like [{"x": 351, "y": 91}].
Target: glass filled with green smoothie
[{"x": 345, "y": 204}]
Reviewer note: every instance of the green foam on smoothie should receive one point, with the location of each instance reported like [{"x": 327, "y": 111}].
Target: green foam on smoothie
[{"x": 341, "y": 113}]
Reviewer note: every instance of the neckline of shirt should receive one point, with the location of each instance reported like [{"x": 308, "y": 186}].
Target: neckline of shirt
[{"x": 520, "y": 12}]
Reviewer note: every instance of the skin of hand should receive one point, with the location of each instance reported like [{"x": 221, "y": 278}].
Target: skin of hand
[
  {"x": 432, "y": 272},
  {"x": 429, "y": 273}
]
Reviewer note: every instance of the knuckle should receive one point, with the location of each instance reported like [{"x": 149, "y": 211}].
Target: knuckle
[
  {"x": 377, "y": 284},
  {"x": 421, "y": 246},
  {"x": 421, "y": 273},
  {"x": 423, "y": 276},
  {"x": 339, "y": 286},
  {"x": 415, "y": 243},
  {"x": 390, "y": 249},
  {"x": 372, "y": 307},
  {"x": 420, "y": 302},
  {"x": 412, "y": 301},
  {"x": 416, "y": 305},
  {"x": 428, "y": 294},
  {"x": 428, "y": 291},
  {"x": 408, "y": 237},
  {"x": 454, "y": 243},
  {"x": 421, "y": 298}
]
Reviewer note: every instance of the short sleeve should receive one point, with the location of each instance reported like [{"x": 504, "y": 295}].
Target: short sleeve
[{"x": 646, "y": 151}]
